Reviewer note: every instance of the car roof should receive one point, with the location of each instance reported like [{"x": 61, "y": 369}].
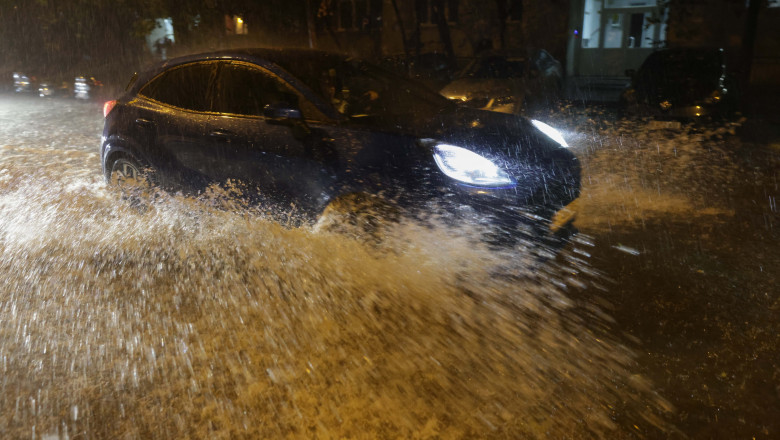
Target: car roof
[
  {"x": 275, "y": 55},
  {"x": 261, "y": 56},
  {"x": 688, "y": 51}
]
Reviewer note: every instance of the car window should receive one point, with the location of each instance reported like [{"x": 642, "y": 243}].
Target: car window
[
  {"x": 243, "y": 89},
  {"x": 680, "y": 71},
  {"x": 185, "y": 86},
  {"x": 359, "y": 89}
]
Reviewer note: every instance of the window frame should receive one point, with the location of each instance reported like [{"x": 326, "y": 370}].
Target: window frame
[
  {"x": 223, "y": 64},
  {"x": 209, "y": 88},
  {"x": 309, "y": 111}
]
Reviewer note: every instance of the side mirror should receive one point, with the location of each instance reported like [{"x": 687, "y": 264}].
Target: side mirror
[{"x": 281, "y": 112}]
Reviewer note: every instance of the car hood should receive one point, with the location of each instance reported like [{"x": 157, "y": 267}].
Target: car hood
[
  {"x": 479, "y": 130},
  {"x": 470, "y": 88}
]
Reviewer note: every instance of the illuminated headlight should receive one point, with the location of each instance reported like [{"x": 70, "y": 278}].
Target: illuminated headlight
[
  {"x": 550, "y": 132},
  {"x": 469, "y": 167}
]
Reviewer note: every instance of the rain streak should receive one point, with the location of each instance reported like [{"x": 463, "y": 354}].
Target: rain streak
[{"x": 197, "y": 319}]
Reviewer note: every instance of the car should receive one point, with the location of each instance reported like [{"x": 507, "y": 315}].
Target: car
[
  {"x": 49, "y": 89},
  {"x": 334, "y": 136},
  {"x": 23, "y": 83},
  {"x": 681, "y": 85},
  {"x": 86, "y": 87},
  {"x": 506, "y": 84},
  {"x": 433, "y": 69}
]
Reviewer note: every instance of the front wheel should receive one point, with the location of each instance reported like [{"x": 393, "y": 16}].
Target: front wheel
[
  {"x": 365, "y": 217},
  {"x": 134, "y": 180}
]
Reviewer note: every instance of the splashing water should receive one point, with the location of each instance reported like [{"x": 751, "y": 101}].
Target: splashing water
[{"x": 189, "y": 321}]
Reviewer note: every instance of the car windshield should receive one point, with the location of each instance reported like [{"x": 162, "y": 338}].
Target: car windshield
[
  {"x": 703, "y": 66},
  {"x": 683, "y": 77},
  {"x": 358, "y": 89}
]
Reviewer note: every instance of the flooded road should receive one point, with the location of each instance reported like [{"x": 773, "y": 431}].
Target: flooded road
[{"x": 660, "y": 319}]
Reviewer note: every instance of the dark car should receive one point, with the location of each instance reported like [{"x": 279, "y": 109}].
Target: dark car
[
  {"x": 519, "y": 85},
  {"x": 682, "y": 85},
  {"x": 331, "y": 134},
  {"x": 433, "y": 69}
]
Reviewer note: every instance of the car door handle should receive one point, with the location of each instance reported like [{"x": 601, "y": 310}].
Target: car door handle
[
  {"x": 222, "y": 135},
  {"x": 143, "y": 122}
]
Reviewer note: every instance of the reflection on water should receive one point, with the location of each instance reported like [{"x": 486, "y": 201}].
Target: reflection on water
[{"x": 189, "y": 321}]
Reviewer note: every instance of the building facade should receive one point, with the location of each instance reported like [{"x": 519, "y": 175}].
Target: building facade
[{"x": 597, "y": 41}]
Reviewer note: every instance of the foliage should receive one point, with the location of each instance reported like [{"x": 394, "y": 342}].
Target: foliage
[
  {"x": 53, "y": 36},
  {"x": 48, "y": 36}
]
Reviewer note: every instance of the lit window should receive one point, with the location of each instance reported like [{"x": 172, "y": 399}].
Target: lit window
[
  {"x": 241, "y": 28},
  {"x": 591, "y": 24},
  {"x": 235, "y": 25}
]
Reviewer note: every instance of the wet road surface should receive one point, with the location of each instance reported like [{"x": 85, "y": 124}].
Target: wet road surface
[{"x": 659, "y": 319}]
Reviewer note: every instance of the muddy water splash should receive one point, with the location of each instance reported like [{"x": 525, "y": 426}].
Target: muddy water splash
[{"x": 189, "y": 321}]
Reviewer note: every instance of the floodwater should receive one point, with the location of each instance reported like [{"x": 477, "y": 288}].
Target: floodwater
[{"x": 194, "y": 321}]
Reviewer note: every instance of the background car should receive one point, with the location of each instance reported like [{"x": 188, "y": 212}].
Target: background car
[
  {"x": 23, "y": 83},
  {"x": 506, "y": 84},
  {"x": 433, "y": 69},
  {"x": 87, "y": 87},
  {"x": 333, "y": 136},
  {"x": 52, "y": 89},
  {"x": 681, "y": 84}
]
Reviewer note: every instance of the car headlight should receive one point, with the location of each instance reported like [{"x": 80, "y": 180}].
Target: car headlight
[
  {"x": 550, "y": 132},
  {"x": 469, "y": 167}
]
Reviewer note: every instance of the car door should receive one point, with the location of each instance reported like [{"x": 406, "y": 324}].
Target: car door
[
  {"x": 275, "y": 157},
  {"x": 172, "y": 117}
]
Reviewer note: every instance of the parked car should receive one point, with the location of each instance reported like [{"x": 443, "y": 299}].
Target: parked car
[
  {"x": 23, "y": 83},
  {"x": 50, "y": 89},
  {"x": 517, "y": 85},
  {"x": 433, "y": 69},
  {"x": 87, "y": 87},
  {"x": 681, "y": 84},
  {"x": 333, "y": 135}
]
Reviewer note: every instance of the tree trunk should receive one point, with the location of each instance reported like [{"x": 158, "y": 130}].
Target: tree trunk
[
  {"x": 748, "y": 48},
  {"x": 403, "y": 33},
  {"x": 502, "y": 12},
  {"x": 444, "y": 30},
  {"x": 311, "y": 28}
]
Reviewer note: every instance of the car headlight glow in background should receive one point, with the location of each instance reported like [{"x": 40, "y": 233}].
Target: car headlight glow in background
[
  {"x": 550, "y": 132},
  {"x": 469, "y": 167}
]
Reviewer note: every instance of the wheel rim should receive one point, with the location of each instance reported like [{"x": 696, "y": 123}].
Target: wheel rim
[
  {"x": 133, "y": 183},
  {"x": 123, "y": 171}
]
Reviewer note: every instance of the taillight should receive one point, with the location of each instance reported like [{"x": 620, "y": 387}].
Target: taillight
[{"x": 108, "y": 106}]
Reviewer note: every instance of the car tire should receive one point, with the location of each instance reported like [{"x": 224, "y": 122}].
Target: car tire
[
  {"x": 362, "y": 216},
  {"x": 135, "y": 180}
]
